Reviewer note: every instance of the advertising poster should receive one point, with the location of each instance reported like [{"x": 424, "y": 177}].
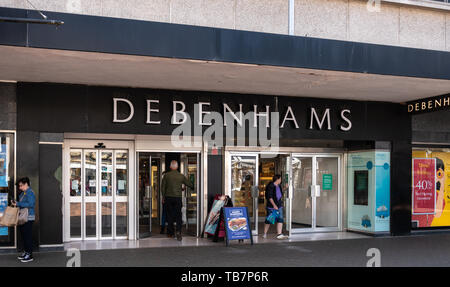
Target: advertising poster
[
  {"x": 361, "y": 191},
  {"x": 3, "y": 166},
  {"x": 214, "y": 216},
  {"x": 441, "y": 215},
  {"x": 3, "y": 205},
  {"x": 382, "y": 196},
  {"x": 237, "y": 223},
  {"x": 424, "y": 184}
]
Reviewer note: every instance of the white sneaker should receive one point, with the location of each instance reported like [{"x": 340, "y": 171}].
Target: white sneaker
[
  {"x": 281, "y": 237},
  {"x": 264, "y": 235}
]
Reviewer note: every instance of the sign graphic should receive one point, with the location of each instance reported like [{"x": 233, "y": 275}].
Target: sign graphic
[
  {"x": 424, "y": 185},
  {"x": 3, "y": 205},
  {"x": 327, "y": 181},
  {"x": 237, "y": 223}
]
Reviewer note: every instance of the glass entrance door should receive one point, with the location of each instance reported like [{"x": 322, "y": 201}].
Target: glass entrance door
[
  {"x": 314, "y": 201},
  {"x": 190, "y": 167},
  {"x": 244, "y": 185},
  {"x": 98, "y": 194},
  {"x": 151, "y": 214},
  {"x": 149, "y": 180}
]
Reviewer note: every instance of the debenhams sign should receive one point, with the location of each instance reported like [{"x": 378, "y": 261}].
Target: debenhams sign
[
  {"x": 204, "y": 116},
  {"x": 429, "y": 104}
]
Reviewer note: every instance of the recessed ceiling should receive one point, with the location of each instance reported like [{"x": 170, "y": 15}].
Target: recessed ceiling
[{"x": 60, "y": 66}]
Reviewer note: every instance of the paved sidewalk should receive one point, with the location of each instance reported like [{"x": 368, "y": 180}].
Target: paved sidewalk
[{"x": 417, "y": 250}]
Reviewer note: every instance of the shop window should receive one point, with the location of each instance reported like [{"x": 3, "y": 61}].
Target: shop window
[
  {"x": 7, "y": 178},
  {"x": 368, "y": 191},
  {"x": 361, "y": 187},
  {"x": 430, "y": 188}
]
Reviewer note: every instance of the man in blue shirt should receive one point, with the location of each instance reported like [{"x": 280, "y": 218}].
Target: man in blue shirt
[{"x": 27, "y": 199}]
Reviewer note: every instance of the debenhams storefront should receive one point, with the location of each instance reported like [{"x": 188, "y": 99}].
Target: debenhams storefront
[
  {"x": 96, "y": 150},
  {"x": 107, "y": 149}
]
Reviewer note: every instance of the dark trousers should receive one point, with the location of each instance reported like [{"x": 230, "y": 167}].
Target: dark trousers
[
  {"x": 173, "y": 209},
  {"x": 164, "y": 216},
  {"x": 26, "y": 231}
]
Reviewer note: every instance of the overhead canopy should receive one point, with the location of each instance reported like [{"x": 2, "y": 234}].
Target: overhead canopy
[{"x": 121, "y": 52}]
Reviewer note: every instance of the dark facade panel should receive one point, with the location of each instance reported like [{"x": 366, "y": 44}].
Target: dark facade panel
[
  {"x": 14, "y": 34},
  {"x": 8, "y": 109},
  {"x": 50, "y": 194},
  {"x": 135, "y": 37},
  {"x": 431, "y": 127},
  {"x": 215, "y": 177},
  {"x": 28, "y": 166},
  {"x": 401, "y": 173}
]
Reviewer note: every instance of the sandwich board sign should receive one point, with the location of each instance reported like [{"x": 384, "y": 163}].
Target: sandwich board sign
[{"x": 237, "y": 224}]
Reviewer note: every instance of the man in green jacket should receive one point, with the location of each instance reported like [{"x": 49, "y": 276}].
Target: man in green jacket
[{"x": 171, "y": 191}]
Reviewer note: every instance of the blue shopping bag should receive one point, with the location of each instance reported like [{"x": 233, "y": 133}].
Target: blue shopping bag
[{"x": 273, "y": 216}]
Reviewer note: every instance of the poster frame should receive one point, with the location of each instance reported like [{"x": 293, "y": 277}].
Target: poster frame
[
  {"x": 413, "y": 187},
  {"x": 227, "y": 240}
]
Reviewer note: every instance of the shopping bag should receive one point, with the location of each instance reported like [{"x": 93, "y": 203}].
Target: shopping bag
[
  {"x": 23, "y": 216},
  {"x": 272, "y": 217},
  {"x": 10, "y": 216}
]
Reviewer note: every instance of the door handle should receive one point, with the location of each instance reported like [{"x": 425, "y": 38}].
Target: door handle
[
  {"x": 315, "y": 190},
  {"x": 255, "y": 191}
]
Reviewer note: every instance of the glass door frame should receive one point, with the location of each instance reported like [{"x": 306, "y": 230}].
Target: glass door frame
[
  {"x": 228, "y": 175},
  {"x": 290, "y": 152},
  {"x": 199, "y": 187},
  {"x": 314, "y": 228},
  {"x": 84, "y": 146}
]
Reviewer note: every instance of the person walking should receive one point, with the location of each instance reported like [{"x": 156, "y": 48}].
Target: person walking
[
  {"x": 274, "y": 198},
  {"x": 171, "y": 189},
  {"x": 27, "y": 199}
]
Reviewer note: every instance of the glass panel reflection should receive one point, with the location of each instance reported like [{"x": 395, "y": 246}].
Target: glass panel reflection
[
  {"x": 75, "y": 173},
  {"x": 90, "y": 169},
  {"x": 121, "y": 219},
  {"x": 91, "y": 219},
  {"x": 107, "y": 173},
  {"x": 327, "y": 202},
  {"x": 243, "y": 175},
  {"x": 75, "y": 220},
  {"x": 301, "y": 201},
  {"x": 121, "y": 173},
  {"x": 106, "y": 219}
]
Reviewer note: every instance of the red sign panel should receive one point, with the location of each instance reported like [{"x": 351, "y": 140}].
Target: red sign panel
[{"x": 424, "y": 185}]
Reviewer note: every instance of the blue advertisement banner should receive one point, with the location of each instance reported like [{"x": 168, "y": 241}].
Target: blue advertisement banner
[
  {"x": 3, "y": 166},
  {"x": 3, "y": 205},
  {"x": 236, "y": 223}
]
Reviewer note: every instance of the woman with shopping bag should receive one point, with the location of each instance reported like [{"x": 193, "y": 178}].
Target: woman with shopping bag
[
  {"x": 26, "y": 217},
  {"x": 274, "y": 197}
]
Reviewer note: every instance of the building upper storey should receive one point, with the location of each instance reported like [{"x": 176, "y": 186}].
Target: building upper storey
[{"x": 423, "y": 24}]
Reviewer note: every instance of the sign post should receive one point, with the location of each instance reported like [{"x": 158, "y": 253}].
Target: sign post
[{"x": 237, "y": 224}]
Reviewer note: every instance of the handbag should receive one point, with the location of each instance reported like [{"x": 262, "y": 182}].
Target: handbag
[
  {"x": 22, "y": 218},
  {"x": 10, "y": 216}
]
